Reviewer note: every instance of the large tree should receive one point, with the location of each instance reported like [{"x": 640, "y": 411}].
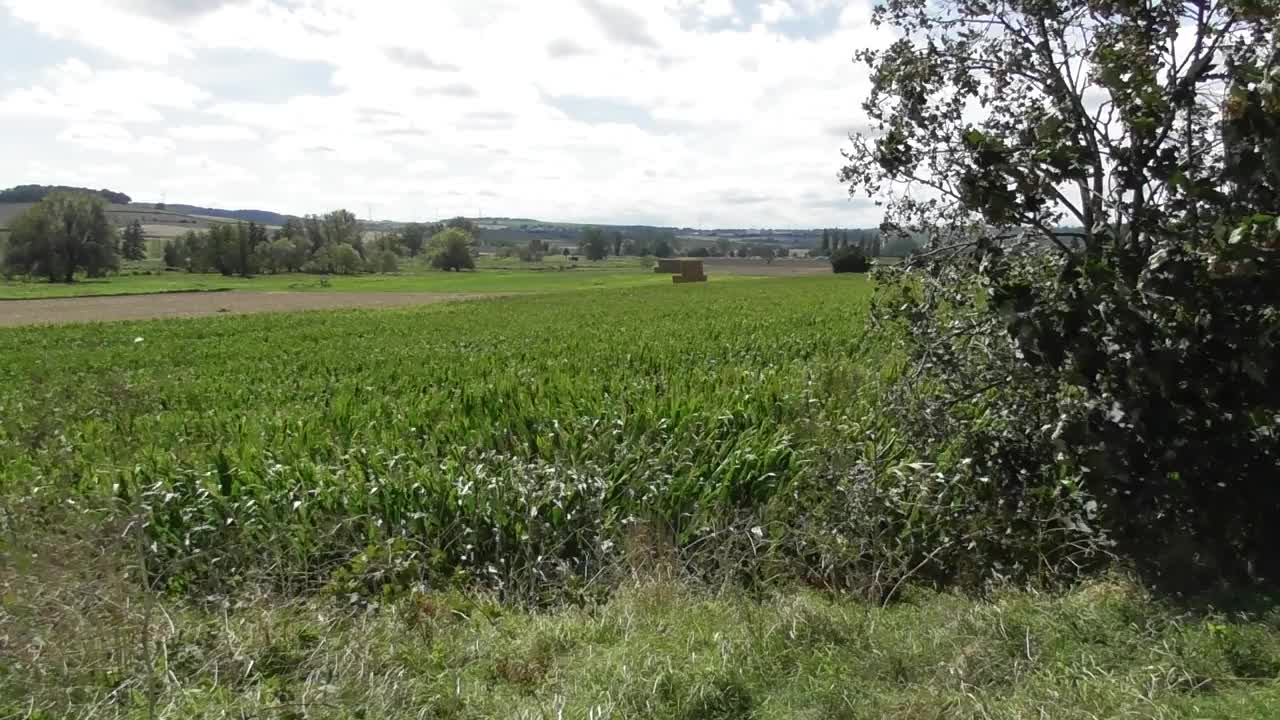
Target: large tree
[
  {"x": 451, "y": 250},
  {"x": 63, "y": 234},
  {"x": 594, "y": 243},
  {"x": 1099, "y": 184},
  {"x": 340, "y": 227}
]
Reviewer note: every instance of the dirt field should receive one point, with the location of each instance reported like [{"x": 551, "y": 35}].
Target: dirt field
[
  {"x": 755, "y": 266},
  {"x": 177, "y": 305}
]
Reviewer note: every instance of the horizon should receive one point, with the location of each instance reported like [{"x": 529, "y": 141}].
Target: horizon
[{"x": 685, "y": 113}]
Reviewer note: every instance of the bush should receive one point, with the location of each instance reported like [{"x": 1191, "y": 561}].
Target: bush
[
  {"x": 335, "y": 259},
  {"x": 850, "y": 260},
  {"x": 1148, "y": 418},
  {"x": 385, "y": 261},
  {"x": 451, "y": 250}
]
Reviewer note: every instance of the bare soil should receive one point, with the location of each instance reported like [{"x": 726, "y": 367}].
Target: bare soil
[
  {"x": 198, "y": 304},
  {"x": 755, "y": 266}
]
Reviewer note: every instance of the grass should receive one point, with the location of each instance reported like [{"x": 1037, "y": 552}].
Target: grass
[
  {"x": 496, "y": 279},
  {"x": 657, "y": 650},
  {"x": 552, "y": 505}
]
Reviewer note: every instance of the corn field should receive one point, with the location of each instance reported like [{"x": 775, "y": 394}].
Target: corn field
[{"x": 516, "y": 443}]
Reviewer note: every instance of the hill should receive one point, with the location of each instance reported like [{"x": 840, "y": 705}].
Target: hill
[
  {"x": 262, "y": 217},
  {"x": 36, "y": 193}
]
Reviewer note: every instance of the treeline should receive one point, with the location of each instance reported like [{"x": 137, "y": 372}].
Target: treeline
[
  {"x": 36, "y": 193},
  {"x": 866, "y": 241},
  {"x": 333, "y": 243},
  {"x": 597, "y": 243},
  {"x": 67, "y": 233}
]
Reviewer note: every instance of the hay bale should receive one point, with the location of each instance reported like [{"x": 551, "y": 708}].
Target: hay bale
[{"x": 690, "y": 271}]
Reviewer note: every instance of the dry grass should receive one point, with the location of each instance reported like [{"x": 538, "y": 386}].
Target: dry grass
[{"x": 82, "y": 639}]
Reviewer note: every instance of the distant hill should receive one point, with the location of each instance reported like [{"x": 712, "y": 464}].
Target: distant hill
[
  {"x": 262, "y": 217},
  {"x": 36, "y": 193}
]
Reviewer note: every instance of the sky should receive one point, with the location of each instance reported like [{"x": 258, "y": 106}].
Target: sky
[{"x": 692, "y": 113}]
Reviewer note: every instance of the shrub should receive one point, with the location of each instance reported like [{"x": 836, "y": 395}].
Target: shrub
[
  {"x": 850, "y": 260},
  {"x": 1131, "y": 359},
  {"x": 451, "y": 250},
  {"x": 385, "y": 261}
]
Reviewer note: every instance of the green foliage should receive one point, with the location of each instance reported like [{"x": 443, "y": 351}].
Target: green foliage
[
  {"x": 63, "y": 234},
  {"x": 328, "y": 244},
  {"x": 273, "y": 448},
  {"x": 850, "y": 260},
  {"x": 281, "y": 255},
  {"x": 134, "y": 244},
  {"x": 461, "y": 223},
  {"x": 339, "y": 227},
  {"x": 1120, "y": 378},
  {"x": 414, "y": 237},
  {"x": 594, "y": 243},
  {"x": 384, "y": 261},
  {"x": 451, "y": 249},
  {"x": 335, "y": 260},
  {"x": 658, "y": 651},
  {"x": 36, "y": 193},
  {"x": 237, "y": 249}
]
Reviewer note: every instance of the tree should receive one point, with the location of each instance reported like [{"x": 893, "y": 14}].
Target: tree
[
  {"x": 463, "y": 224},
  {"x": 384, "y": 261},
  {"x": 173, "y": 257},
  {"x": 1130, "y": 359},
  {"x": 387, "y": 243},
  {"x": 340, "y": 259},
  {"x": 617, "y": 243},
  {"x": 849, "y": 260},
  {"x": 187, "y": 251},
  {"x": 134, "y": 245},
  {"x": 826, "y": 242},
  {"x": 594, "y": 244},
  {"x": 451, "y": 250},
  {"x": 61, "y": 235},
  {"x": 663, "y": 248},
  {"x": 414, "y": 238},
  {"x": 36, "y": 193},
  {"x": 533, "y": 251},
  {"x": 280, "y": 255},
  {"x": 565, "y": 252},
  {"x": 340, "y": 227}
]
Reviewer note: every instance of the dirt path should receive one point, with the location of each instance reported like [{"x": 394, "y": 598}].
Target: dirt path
[{"x": 177, "y": 305}]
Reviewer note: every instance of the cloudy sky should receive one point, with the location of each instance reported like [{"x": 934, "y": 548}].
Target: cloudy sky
[{"x": 677, "y": 112}]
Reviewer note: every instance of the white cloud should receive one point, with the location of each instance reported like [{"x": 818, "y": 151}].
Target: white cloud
[
  {"x": 435, "y": 108},
  {"x": 75, "y": 91},
  {"x": 775, "y": 10},
  {"x": 115, "y": 139},
  {"x": 213, "y": 133}
]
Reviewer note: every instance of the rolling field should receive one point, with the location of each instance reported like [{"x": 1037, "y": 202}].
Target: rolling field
[
  {"x": 483, "y": 281},
  {"x": 492, "y": 275},
  {"x": 562, "y": 504}
]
